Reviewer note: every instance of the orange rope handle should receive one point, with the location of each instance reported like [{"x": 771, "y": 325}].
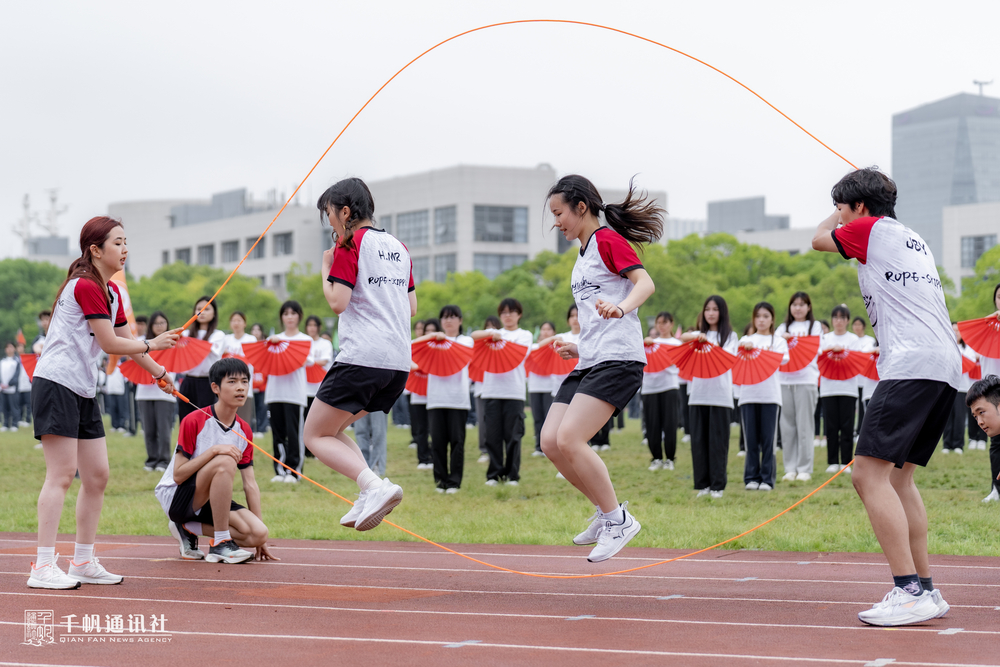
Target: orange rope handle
[
  {"x": 469, "y": 32},
  {"x": 532, "y": 574}
]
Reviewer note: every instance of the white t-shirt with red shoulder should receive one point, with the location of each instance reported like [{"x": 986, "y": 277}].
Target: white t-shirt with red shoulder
[
  {"x": 848, "y": 341},
  {"x": 218, "y": 342},
  {"x": 665, "y": 380},
  {"x": 71, "y": 354},
  {"x": 557, "y": 380},
  {"x": 904, "y": 299},
  {"x": 768, "y": 391},
  {"x": 717, "y": 391},
  {"x": 599, "y": 273},
  {"x": 198, "y": 433},
  {"x": 509, "y": 385},
  {"x": 375, "y": 327},
  {"x": 452, "y": 391},
  {"x": 810, "y": 374},
  {"x": 322, "y": 353},
  {"x": 291, "y": 387}
]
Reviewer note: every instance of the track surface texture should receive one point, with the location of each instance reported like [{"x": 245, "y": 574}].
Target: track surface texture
[{"x": 412, "y": 604}]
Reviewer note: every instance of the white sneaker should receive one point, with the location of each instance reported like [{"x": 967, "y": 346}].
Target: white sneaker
[
  {"x": 13, "y": 429},
  {"x": 349, "y": 519},
  {"x": 613, "y": 537},
  {"x": 993, "y": 497},
  {"x": 764, "y": 486},
  {"x": 187, "y": 541},
  {"x": 596, "y": 448},
  {"x": 148, "y": 468},
  {"x": 788, "y": 477},
  {"x": 23, "y": 424},
  {"x": 752, "y": 486},
  {"x": 822, "y": 442},
  {"x": 605, "y": 448},
  {"x": 450, "y": 490},
  {"x": 939, "y": 601},
  {"x": 958, "y": 451},
  {"x": 856, "y": 439},
  {"x": 686, "y": 439},
  {"x": 982, "y": 444},
  {"x": 291, "y": 478},
  {"x": 227, "y": 551},
  {"x": 538, "y": 452},
  {"x": 715, "y": 494},
  {"x": 412, "y": 445},
  {"x": 92, "y": 572},
  {"x": 492, "y": 482},
  {"x": 589, "y": 536},
  {"x": 668, "y": 464},
  {"x": 832, "y": 468},
  {"x": 741, "y": 453},
  {"x": 645, "y": 442},
  {"x": 380, "y": 502},
  {"x": 3, "y": 429},
  {"x": 900, "y": 608},
  {"x": 161, "y": 468},
  {"x": 278, "y": 478},
  {"x": 50, "y": 576},
  {"x": 657, "y": 464},
  {"x": 846, "y": 469},
  {"x": 512, "y": 482},
  {"x": 38, "y": 446},
  {"x": 258, "y": 436},
  {"x": 425, "y": 466},
  {"x": 702, "y": 493},
  {"x": 815, "y": 442},
  {"x": 803, "y": 477},
  {"x": 559, "y": 475},
  {"x": 483, "y": 458},
  {"x": 945, "y": 451},
  {"x": 439, "y": 490}
]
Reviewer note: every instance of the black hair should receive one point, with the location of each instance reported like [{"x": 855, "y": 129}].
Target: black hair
[
  {"x": 48, "y": 313},
  {"x": 825, "y": 324},
  {"x": 141, "y": 319},
  {"x": 995, "y": 290},
  {"x": 841, "y": 311},
  {"x": 510, "y": 304},
  {"x": 11, "y": 343},
  {"x": 259, "y": 326},
  {"x": 859, "y": 319},
  {"x": 355, "y": 195},
  {"x": 664, "y": 315},
  {"x": 451, "y": 310},
  {"x": 571, "y": 310},
  {"x": 157, "y": 314},
  {"x": 240, "y": 313},
  {"x": 867, "y": 186},
  {"x": 988, "y": 388},
  {"x": 434, "y": 322},
  {"x": 224, "y": 368},
  {"x": 492, "y": 322},
  {"x": 805, "y": 298},
  {"x": 724, "y": 327},
  {"x": 637, "y": 220},
  {"x": 290, "y": 305},
  {"x": 769, "y": 308},
  {"x": 319, "y": 323},
  {"x": 196, "y": 325},
  {"x": 550, "y": 323}
]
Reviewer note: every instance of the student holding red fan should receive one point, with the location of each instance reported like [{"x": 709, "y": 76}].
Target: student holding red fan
[
  {"x": 609, "y": 285},
  {"x": 196, "y": 386},
  {"x": 419, "y": 429},
  {"x": 157, "y": 409},
  {"x": 285, "y": 396},
  {"x": 370, "y": 286},
  {"x": 799, "y": 394},
  {"x": 660, "y": 396},
  {"x": 839, "y": 396},
  {"x": 233, "y": 346},
  {"x": 540, "y": 387},
  {"x": 919, "y": 365}
]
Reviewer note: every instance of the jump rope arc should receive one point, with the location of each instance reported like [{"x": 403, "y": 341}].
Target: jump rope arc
[
  {"x": 208, "y": 412},
  {"x": 468, "y": 32}
]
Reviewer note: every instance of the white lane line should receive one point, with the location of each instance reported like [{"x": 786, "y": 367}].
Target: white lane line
[
  {"x": 438, "y": 552},
  {"x": 426, "y": 612},
  {"x": 473, "y": 644}
]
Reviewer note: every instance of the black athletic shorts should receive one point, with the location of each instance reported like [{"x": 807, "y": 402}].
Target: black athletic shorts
[
  {"x": 614, "y": 382},
  {"x": 904, "y": 420},
  {"x": 58, "y": 410},
  {"x": 355, "y": 388},
  {"x": 182, "y": 510}
]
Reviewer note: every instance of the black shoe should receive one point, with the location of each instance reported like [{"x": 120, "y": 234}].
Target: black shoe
[{"x": 187, "y": 541}]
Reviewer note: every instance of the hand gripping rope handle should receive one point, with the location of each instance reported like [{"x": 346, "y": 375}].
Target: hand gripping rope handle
[
  {"x": 506, "y": 569},
  {"x": 468, "y": 32}
]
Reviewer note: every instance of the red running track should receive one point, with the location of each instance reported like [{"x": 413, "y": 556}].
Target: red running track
[{"x": 343, "y": 602}]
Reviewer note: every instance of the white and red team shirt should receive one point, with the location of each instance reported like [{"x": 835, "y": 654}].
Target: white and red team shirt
[
  {"x": 599, "y": 273},
  {"x": 510, "y": 385},
  {"x": 218, "y": 342},
  {"x": 848, "y": 341},
  {"x": 375, "y": 326},
  {"x": 665, "y": 380},
  {"x": 198, "y": 433},
  {"x": 71, "y": 354},
  {"x": 717, "y": 391},
  {"x": 557, "y": 380},
  {"x": 452, "y": 391},
  {"x": 810, "y": 374},
  {"x": 768, "y": 391},
  {"x": 904, "y": 299}
]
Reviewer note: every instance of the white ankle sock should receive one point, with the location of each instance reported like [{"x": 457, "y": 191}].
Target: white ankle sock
[
  {"x": 46, "y": 556},
  {"x": 616, "y": 517},
  {"x": 368, "y": 480},
  {"x": 193, "y": 527},
  {"x": 221, "y": 536},
  {"x": 82, "y": 553}
]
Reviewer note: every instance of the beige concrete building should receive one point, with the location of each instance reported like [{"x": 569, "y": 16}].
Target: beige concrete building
[
  {"x": 967, "y": 232},
  {"x": 793, "y": 241}
]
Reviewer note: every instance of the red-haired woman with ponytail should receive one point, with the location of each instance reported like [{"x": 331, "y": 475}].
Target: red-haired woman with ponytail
[{"x": 87, "y": 319}]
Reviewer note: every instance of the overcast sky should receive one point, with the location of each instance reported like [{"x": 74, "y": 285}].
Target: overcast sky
[{"x": 126, "y": 101}]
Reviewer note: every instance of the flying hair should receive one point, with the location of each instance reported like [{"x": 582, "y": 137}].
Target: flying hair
[
  {"x": 639, "y": 221},
  {"x": 355, "y": 195}
]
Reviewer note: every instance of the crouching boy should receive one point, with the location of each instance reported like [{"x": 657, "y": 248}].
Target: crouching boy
[
  {"x": 983, "y": 399},
  {"x": 196, "y": 491}
]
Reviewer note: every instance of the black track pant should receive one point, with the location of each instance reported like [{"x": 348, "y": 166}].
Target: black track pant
[
  {"x": 418, "y": 429},
  {"x": 838, "y": 417},
  {"x": 540, "y": 404},
  {"x": 709, "y": 426},
  {"x": 286, "y": 419},
  {"x": 504, "y": 429},
  {"x": 447, "y": 427},
  {"x": 660, "y": 412}
]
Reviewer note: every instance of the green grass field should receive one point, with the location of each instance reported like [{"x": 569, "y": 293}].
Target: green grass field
[{"x": 543, "y": 509}]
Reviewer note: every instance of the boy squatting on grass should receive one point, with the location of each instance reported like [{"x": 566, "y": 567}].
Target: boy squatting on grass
[
  {"x": 196, "y": 491},
  {"x": 983, "y": 398}
]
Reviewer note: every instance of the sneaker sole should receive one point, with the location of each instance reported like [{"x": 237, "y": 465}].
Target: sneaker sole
[
  {"x": 909, "y": 619},
  {"x": 214, "y": 558},
  {"x": 584, "y": 544},
  {"x": 91, "y": 580},
  {"x": 375, "y": 519},
  {"x": 185, "y": 554},
  {"x": 942, "y": 609},
  {"x": 625, "y": 540},
  {"x": 35, "y": 583}
]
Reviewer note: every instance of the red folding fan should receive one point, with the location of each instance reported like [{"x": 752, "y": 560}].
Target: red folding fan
[
  {"x": 184, "y": 355},
  {"x": 135, "y": 373},
  {"x": 976, "y": 373},
  {"x": 29, "y": 361},
  {"x": 546, "y": 361},
  {"x": 841, "y": 365},
  {"x": 417, "y": 383},
  {"x": 967, "y": 364},
  {"x": 755, "y": 365},
  {"x": 315, "y": 373},
  {"x": 281, "y": 358},
  {"x": 497, "y": 356},
  {"x": 982, "y": 335},
  {"x": 870, "y": 369},
  {"x": 801, "y": 352},
  {"x": 659, "y": 356},
  {"x": 441, "y": 358},
  {"x": 703, "y": 360}
]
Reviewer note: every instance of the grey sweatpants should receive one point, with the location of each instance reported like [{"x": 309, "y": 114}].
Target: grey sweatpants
[
  {"x": 798, "y": 403},
  {"x": 370, "y": 434}
]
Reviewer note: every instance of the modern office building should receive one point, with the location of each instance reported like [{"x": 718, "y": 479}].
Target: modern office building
[
  {"x": 678, "y": 228},
  {"x": 742, "y": 215},
  {"x": 972, "y": 229},
  {"x": 945, "y": 153}
]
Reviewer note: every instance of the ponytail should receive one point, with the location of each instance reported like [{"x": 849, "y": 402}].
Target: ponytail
[
  {"x": 637, "y": 220},
  {"x": 354, "y": 194},
  {"x": 95, "y": 232}
]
